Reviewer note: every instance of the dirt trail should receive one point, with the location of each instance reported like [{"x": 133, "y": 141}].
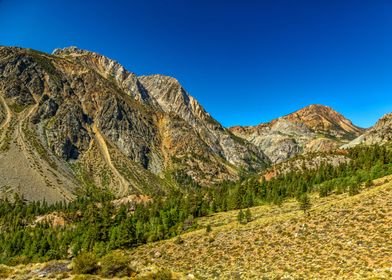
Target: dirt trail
[
  {"x": 8, "y": 113},
  {"x": 124, "y": 186}
]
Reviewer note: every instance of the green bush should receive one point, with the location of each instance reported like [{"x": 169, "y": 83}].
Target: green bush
[
  {"x": 115, "y": 263},
  {"x": 85, "y": 263},
  {"x": 14, "y": 261}
]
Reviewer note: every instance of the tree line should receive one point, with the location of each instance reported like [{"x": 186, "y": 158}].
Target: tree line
[{"x": 93, "y": 224}]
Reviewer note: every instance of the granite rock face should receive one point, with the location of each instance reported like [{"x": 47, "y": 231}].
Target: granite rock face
[
  {"x": 315, "y": 128},
  {"x": 87, "y": 111},
  {"x": 173, "y": 99}
]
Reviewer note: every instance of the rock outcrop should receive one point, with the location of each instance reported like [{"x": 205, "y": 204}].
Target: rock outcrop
[{"x": 380, "y": 133}]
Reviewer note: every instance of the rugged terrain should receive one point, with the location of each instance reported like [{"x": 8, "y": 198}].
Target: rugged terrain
[
  {"x": 315, "y": 128},
  {"x": 380, "y": 133},
  {"x": 76, "y": 117},
  {"x": 301, "y": 163}
]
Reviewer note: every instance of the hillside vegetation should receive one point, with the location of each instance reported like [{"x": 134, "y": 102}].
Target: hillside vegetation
[
  {"x": 342, "y": 237},
  {"x": 342, "y": 230}
]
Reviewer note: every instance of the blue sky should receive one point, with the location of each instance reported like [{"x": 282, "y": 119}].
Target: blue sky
[{"x": 245, "y": 61}]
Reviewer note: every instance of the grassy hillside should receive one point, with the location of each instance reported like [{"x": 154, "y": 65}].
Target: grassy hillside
[{"x": 342, "y": 237}]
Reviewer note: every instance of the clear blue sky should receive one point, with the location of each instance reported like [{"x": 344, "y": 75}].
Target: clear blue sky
[{"x": 245, "y": 61}]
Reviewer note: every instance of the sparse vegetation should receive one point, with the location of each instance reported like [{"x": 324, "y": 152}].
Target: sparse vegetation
[
  {"x": 98, "y": 227},
  {"x": 85, "y": 263},
  {"x": 115, "y": 263},
  {"x": 304, "y": 203},
  {"x": 282, "y": 243}
]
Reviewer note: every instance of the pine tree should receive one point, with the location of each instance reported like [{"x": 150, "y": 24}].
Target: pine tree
[
  {"x": 353, "y": 190},
  {"x": 241, "y": 217},
  {"x": 304, "y": 203},
  {"x": 248, "y": 215}
]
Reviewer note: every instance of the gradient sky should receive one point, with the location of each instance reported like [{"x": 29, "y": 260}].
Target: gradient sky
[{"x": 245, "y": 61}]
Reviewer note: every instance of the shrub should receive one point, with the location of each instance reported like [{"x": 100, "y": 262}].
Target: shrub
[
  {"x": 241, "y": 217},
  {"x": 163, "y": 274},
  {"x": 304, "y": 203},
  {"x": 14, "y": 261},
  {"x": 115, "y": 263},
  {"x": 178, "y": 240},
  {"x": 85, "y": 263},
  {"x": 5, "y": 272},
  {"x": 248, "y": 215},
  {"x": 369, "y": 183},
  {"x": 85, "y": 277},
  {"x": 353, "y": 190}
]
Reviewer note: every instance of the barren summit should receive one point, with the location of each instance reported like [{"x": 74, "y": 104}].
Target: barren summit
[{"x": 314, "y": 128}]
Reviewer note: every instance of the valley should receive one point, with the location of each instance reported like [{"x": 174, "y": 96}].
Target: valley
[{"x": 106, "y": 174}]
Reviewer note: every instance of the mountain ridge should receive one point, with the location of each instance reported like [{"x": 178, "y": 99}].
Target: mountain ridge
[
  {"x": 80, "y": 106},
  {"x": 83, "y": 115},
  {"x": 313, "y": 128}
]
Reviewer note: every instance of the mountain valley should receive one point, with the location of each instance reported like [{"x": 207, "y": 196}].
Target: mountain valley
[{"x": 107, "y": 174}]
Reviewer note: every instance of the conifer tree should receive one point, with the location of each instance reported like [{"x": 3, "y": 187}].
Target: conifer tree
[
  {"x": 248, "y": 215},
  {"x": 241, "y": 217},
  {"x": 304, "y": 203}
]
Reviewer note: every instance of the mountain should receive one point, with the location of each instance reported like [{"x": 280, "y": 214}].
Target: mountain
[
  {"x": 380, "y": 133},
  {"x": 76, "y": 118},
  {"x": 315, "y": 128}
]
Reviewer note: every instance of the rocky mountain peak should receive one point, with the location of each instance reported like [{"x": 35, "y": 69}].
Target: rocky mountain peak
[
  {"x": 172, "y": 97},
  {"x": 77, "y": 111},
  {"x": 314, "y": 128},
  {"x": 325, "y": 120},
  {"x": 108, "y": 68},
  {"x": 386, "y": 119}
]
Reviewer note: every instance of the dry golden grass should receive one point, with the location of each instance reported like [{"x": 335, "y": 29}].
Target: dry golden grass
[{"x": 342, "y": 238}]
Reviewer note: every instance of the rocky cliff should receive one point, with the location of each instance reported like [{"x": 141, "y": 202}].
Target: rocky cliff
[
  {"x": 315, "y": 128},
  {"x": 76, "y": 117}
]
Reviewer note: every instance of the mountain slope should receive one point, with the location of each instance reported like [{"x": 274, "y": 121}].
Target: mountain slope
[
  {"x": 380, "y": 133},
  {"x": 315, "y": 128},
  {"x": 343, "y": 237},
  {"x": 77, "y": 117}
]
